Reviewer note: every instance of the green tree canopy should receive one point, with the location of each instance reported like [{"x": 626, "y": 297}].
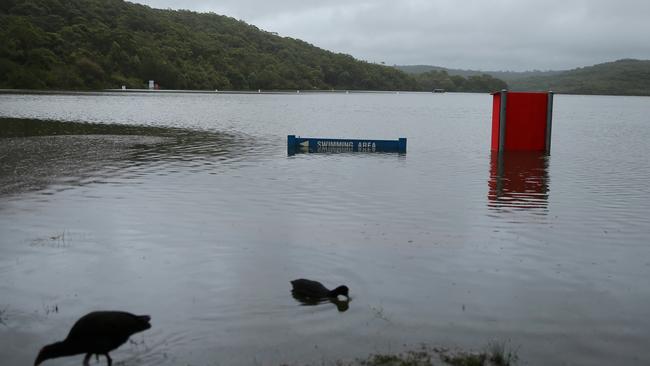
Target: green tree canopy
[{"x": 97, "y": 44}]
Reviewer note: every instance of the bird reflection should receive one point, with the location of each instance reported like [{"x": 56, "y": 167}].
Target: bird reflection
[
  {"x": 341, "y": 305},
  {"x": 518, "y": 180}
]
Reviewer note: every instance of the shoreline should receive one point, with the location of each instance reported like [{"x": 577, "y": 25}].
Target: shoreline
[
  {"x": 183, "y": 91},
  {"x": 261, "y": 92}
]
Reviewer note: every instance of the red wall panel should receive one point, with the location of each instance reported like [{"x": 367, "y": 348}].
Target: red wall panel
[{"x": 526, "y": 118}]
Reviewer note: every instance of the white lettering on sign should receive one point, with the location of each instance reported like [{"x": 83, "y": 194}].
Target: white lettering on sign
[
  {"x": 367, "y": 146},
  {"x": 334, "y": 146}
]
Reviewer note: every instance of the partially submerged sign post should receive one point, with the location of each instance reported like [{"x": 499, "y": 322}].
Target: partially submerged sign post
[{"x": 320, "y": 145}]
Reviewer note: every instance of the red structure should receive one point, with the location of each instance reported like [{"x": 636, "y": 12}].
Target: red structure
[{"x": 521, "y": 121}]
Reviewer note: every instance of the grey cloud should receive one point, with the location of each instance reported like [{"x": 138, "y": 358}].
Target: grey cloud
[{"x": 477, "y": 34}]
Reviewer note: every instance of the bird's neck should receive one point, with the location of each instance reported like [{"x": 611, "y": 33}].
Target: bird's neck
[
  {"x": 59, "y": 349},
  {"x": 334, "y": 293}
]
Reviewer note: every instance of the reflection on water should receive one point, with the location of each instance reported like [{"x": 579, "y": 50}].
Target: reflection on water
[
  {"x": 341, "y": 305},
  {"x": 35, "y": 154},
  {"x": 518, "y": 181}
]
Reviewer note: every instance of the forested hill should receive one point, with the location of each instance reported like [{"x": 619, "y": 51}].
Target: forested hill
[
  {"x": 96, "y": 44},
  {"x": 507, "y": 76},
  {"x": 622, "y": 77}
]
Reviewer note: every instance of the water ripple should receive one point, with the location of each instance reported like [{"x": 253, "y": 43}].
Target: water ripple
[{"x": 37, "y": 154}]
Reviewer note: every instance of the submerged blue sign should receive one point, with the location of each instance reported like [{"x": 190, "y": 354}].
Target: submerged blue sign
[{"x": 321, "y": 145}]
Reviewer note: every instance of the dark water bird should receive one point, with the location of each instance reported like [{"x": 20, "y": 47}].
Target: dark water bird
[
  {"x": 315, "y": 290},
  {"x": 96, "y": 333}
]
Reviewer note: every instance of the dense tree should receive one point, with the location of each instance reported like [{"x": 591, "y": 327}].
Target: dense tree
[
  {"x": 440, "y": 79},
  {"x": 622, "y": 77},
  {"x": 96, "y": 44}
]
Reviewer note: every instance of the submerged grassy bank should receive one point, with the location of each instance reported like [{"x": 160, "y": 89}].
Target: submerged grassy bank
[{"x": 493, "y": 354}]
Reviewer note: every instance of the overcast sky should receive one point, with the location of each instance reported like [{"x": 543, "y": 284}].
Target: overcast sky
[{"x": 486, "y": 35}]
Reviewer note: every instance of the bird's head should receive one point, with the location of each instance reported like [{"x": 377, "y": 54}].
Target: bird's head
[
  {"x": 341, "y": 290},
  {"x": 55, "y": 350},
  {"x": 46, "y": 353}
]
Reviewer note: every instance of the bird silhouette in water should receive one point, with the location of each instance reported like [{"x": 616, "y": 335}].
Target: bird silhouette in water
[
  {"x": 96, "y": 333},
  {"x": 310, "y": 292}
]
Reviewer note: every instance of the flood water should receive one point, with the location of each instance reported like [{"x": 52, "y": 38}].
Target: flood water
[{"x": 186, "y": 207}]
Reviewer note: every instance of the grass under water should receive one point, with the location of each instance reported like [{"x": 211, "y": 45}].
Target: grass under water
[{"x": 494, "y": 354}]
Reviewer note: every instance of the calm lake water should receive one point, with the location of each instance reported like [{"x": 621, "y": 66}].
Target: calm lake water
[{"x": 186, "y": 207}]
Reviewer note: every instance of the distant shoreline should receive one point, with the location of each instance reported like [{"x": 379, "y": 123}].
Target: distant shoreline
[
  {"x": 181, "y": 91},
  {"x": 262, "y": 92}
]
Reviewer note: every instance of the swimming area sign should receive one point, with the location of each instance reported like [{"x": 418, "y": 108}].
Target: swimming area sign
[{"x": 325, "y": 145}]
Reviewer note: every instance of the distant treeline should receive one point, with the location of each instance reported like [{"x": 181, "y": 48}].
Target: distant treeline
[
  {"x": 97, "y": 44},
  {"x": 506, "y": 76},
  {"x": 442, "y": 80},
  {"x": 622, "y": 77}
]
